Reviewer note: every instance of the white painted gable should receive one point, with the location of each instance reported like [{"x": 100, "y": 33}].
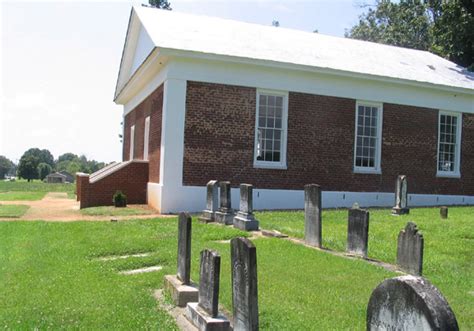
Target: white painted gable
[{"x": 143, "y": 49}]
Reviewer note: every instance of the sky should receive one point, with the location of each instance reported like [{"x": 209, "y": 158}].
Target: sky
[{"x": 59, "y": 63}]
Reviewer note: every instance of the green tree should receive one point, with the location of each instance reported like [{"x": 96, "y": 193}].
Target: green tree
[
  {"x": 404, "y": 24},
  {"x": 453, "y": 30},
  {"x": 162, "y": 4},
  {"x": 28, "y": 167},
  {"x": 44, "y": 170},
  {"x": 442, "y": 27},
  {"x": 43, "y": 156},
  {"x": 5, "y": 166},
  {"x": 67, "y": 157}
]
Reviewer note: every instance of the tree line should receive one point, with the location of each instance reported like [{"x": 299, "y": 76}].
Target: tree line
[{"x": 38, "y": 163}]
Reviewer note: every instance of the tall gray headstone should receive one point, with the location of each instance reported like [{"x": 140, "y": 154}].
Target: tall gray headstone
[
  {"x": 184, "y": 248},
  {"x": 443, "y": 212},
  {"x": 410, "y": 249},
  {"x": 245, "y": 220},
  {"x": 409, "y": 303},
  {"x": 225, "y": 214},
  {"x": 179, "y": 286},
  {"x": 358, "y": 232},
  {"x": 312, "y": 215},
  {"x": 208, "y": 214},
  {"x": 401, "y": 196},
  {"x": 205, "y": 313},
  {"x": 244, "y": 284}
]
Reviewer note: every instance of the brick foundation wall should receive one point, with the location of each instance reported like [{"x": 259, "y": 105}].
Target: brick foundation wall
[
  {"x": 131, "y": 180},
  {"x": 152, "y": 106},
  {"x": 219, "y": 144}
]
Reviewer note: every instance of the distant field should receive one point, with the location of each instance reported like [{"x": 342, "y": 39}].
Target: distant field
[{"x": 34, "y": 190}]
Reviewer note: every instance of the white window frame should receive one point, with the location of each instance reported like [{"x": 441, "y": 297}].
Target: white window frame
[
  {"x": 132, "y": 142},
  {"x": 377, "y": 169},
  {"x": 457, "y": 157},
  {"x": 146, "y": 138},
  {"x": 284, "y": 133}
]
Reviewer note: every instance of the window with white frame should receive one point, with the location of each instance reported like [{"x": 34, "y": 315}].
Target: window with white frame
[
  {"x": 270, "y": 129},
  {"x": 132, "y": 142},
  {"x": 146, "y": 138},
  {"x": 449, "y": 143},
  {"x": 368, "y": 137}
]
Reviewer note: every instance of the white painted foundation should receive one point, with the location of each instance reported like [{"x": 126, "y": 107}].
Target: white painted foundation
[{"x": 193, "y": 199}]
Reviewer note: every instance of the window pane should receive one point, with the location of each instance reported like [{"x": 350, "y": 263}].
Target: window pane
[
  {"x": 447, "y": 143},
  {"x": 366, "y": 136}
]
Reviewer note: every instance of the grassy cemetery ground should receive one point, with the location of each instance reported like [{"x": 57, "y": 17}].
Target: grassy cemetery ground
[
  {"x": 30, "y": 191},
  {"x": 113, "y": 211},
  {"x": 52, "y": 275},
  {"x": 12, "y": 211},
  {"x": 448, "y": 252}
]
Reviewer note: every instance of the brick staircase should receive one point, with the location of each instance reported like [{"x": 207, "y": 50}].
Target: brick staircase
[{"x": 97, "y": 189}]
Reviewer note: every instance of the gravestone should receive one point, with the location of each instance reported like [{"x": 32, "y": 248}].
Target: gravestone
[
  {"x": 225, "y": 214},
  {"x": 312, "y": 215},
  {"x": 409, "y": 303},
  {"x": 245, "y": 220},
  {"x": 443, "y": 212},
  {"x": 401, "y": 196},
  {"x": 208, "y": 214},
  {"x": 205, "y": 314},
  {"x": 410, "y": 249},
  {"x": 244, "y": 284},
  {"x": 179, "y": 286},
  {"x": 358, "y": 232}
]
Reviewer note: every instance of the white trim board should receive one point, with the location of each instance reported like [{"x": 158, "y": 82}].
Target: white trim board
[{"x": 193, "y": 199}]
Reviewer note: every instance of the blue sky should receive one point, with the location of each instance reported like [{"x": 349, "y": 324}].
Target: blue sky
[{"x": 59, "y": 64}]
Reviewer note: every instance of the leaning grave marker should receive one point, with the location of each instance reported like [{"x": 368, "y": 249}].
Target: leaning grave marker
[
  {"x": 358, "y": 232},
  {"x": 179, "y": 285},
  {"x": 312, "y": 215},
  {"x": 208, "y": 214},
  {"x": 205, "y": 314},
  {"x": 244, "y": 284},
  {"x": 410, "y": 249},
  {"x": 409, "y": 303}
]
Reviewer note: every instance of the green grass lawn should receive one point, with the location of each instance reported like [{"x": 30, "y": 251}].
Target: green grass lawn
[
  {"x": 113, "y": 211},
  {"x": 51, "y": 277},
  {"x": 448, "y": 251},
  {"x": 30, "y": 191},
  {"x": 12, "y": 211}
]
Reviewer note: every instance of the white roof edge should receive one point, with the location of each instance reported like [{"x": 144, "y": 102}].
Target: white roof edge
[{"x": 330, "y": 71}]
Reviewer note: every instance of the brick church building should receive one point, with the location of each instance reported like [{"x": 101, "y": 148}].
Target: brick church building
[{"x": 207, "y": 98}]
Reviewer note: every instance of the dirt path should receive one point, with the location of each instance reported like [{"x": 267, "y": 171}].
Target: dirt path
[{"x": 55, "y": 206}]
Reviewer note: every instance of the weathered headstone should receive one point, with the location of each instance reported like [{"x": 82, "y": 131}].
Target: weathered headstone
[
  {"x": 312, "y": 215},
  {"x": 245, "y": 220},
  {"x": 179, "y": 285},
  {"x": 244, "y": 284},
  {"x": 443, "y": 212},
  {"x": 208, "y": 214},
  {"x": 409, "y": 303},
  {"x": 410, "y": 249},
  {"x": 358, "y": 232},
  {"x": 225, "y": 214},
  {"x": 401, "y": 196},
  {"x": 205, "y": 313}
]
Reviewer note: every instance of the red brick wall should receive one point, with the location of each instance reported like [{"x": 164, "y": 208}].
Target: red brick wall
[
  {"x": 219, "y": 144},
  {"x": 152, "y": 106},
  {"x": 131, "y": 180}
]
